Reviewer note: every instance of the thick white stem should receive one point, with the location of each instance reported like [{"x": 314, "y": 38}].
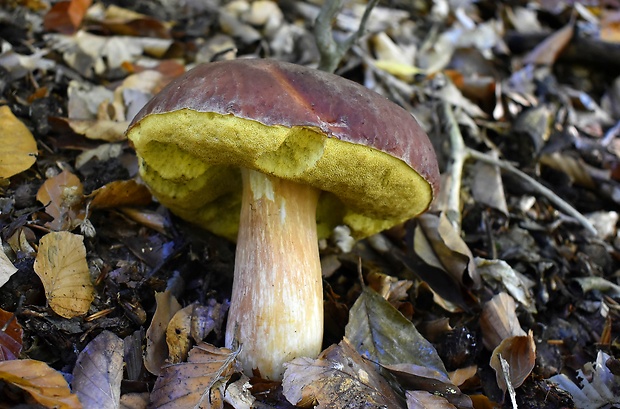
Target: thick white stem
[{"x": 276, "y": 311}]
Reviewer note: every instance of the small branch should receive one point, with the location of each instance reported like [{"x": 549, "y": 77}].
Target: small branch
[{"x": 331, "y": 51}]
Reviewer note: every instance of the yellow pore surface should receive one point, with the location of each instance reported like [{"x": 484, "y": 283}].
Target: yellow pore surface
[{"x": 191, "y": 162}]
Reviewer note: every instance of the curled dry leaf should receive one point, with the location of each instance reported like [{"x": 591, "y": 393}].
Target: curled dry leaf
[
  {"x": 499, "y": 321},
  {"x": 47, "y": 386},
  {"x": 18, "y": 148},
  {"x": 519, "y": 352},
  {"x": 7, "y": 269},
  {"x": 98, "y": 372},
  {"x": 198, "y": 383},
  {"x": 10, "y": 336},
  {"x": 338, "y": 378},
  {"x": 61, "y": 265},
  {"x": 120, "y": 193},
  {"x": 62, "y": 195},
  {"x": 156, "y": 347}
]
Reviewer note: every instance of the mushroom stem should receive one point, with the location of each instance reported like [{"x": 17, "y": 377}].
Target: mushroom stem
[{"x": 276, "y": 311}]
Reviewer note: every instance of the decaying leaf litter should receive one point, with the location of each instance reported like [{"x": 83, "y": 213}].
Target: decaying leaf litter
[{"x": 506, "y": 289}]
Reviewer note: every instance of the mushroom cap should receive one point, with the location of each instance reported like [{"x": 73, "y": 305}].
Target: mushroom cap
[{"x": 374, "y": 164}]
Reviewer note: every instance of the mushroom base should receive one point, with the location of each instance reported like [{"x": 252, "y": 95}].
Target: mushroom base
[{"x": 276, "y": 311}]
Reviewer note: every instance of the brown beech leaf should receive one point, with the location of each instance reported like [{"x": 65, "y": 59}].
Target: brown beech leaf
[
  {"x": 547, "y": 52},
  {"x": 98, "y": 372},
  {"x": 156, "y": 347},
  {"x": 198, "y": 383},
  {"x": 10, "y": 336},
  {"x": 47, "y": 386},
  {"x": 338, "y": 378},
  {"x": 426, "y": 400},
  {"x": 61, "y": 265},
  {"x": 18, "y": 148},
  {"x": 520, "y": 354},
  {"x": 120, "y": 193},
  {"x": 499, "y": 320},
  {"x": 62, "y": 195},
  {"x": 66, "y": 16}
]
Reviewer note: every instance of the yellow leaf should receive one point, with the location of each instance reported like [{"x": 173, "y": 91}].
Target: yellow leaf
[
  {"x": 18, "y": 148},
  {"x": 44, "y": 384},
  {"x": 61, "y": 266}
]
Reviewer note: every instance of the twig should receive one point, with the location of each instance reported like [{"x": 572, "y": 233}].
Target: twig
[
  {"x": 331, "y": 51},
  {"x": 459, "y": 153}
]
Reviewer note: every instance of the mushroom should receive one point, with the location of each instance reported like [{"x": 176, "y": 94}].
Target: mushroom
[{"x": 275, "y": 155}]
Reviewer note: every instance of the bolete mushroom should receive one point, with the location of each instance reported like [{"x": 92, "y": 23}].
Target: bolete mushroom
[{"x": 275, "y": 155}]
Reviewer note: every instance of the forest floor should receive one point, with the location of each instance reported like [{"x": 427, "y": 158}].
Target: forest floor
[{"x": 505, "y": 294}]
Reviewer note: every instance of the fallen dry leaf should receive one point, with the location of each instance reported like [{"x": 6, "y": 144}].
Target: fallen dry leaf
[
  {"x": 177, "y": 335},
  {"x": 98, "y": 129},
  {"x": 120, "y": 193},
  {"x": 7, "y": 269},
  {"x": 338, "y": 378},
  {"x": 520, "y": 354},
  {"x": 193, "y": 322},
  {"x": 47, "y": 386},
  {"x": 547, "y": 52},
  {"x": 198, "y": 383},
  {"x": 98, "y": 372},
  {"x": 156, "y": 347},
  {"x": 66, "y": 16},
  {"x": 416, "y": 377},
  {"x": 18, "y": 148},
  {"x": 62, "y": 195},
  {"x": 440, "y": 245},
  {"x": 10, "y": 336},
  {"x": 499, "y": 321},
  {"x": 382, "y": 334},
  {"x": 61, "y": 265},
  {"x": 390, "y": 288}
]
